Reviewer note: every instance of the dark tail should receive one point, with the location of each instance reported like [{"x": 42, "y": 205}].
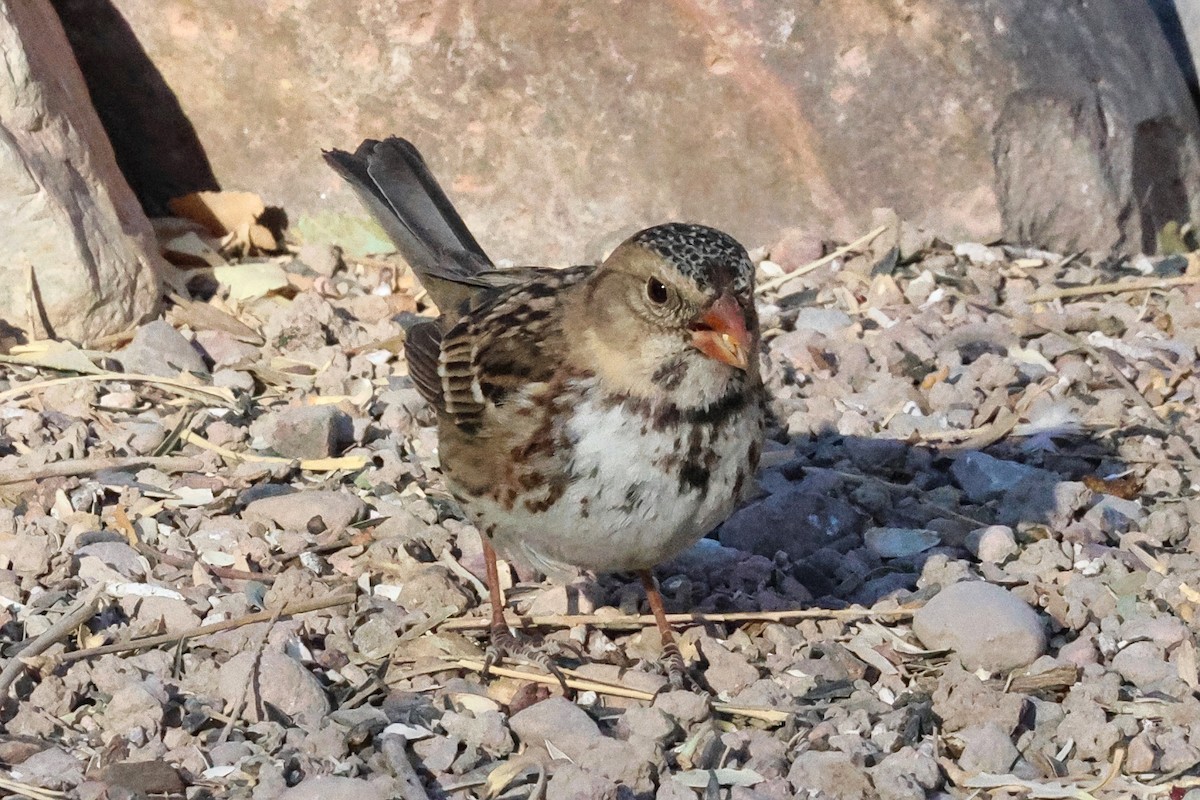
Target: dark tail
[{"x": 391, "y": 179}]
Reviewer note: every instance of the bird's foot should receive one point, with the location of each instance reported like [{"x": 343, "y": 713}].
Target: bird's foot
[
  {"x": 505, "y": 645},
  {"x": 676, "y": 670}
]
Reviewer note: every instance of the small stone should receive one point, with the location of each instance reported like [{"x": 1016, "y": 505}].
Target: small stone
[
  {"x": 900, "y": 542},
  {"x": 686, "y": 708},
  {"x": 797, "y": 522},
  {"x": 558, "y": 721},
  {"x": 984, "y": 625},
  {"x": 570, "y": 782},
  {"x": 978, "y": 253},
  {"x": 146, "y": 777},
  {"x": 992, "y": 544},
  {"x": 158, "y": 349},
  {"x": 728, "y": 672},
  {"x": 226, "y": 350},
  {"x": 1113, "y": 515},
  {"x": 1080, "y": 652},
  {"x": 53, "y": 768},
  {"x": 324, "y": 259},
  {"x": 829, "y": 774},
  {"x": 308, "y": 431},
  {"x": 987, "y": 748},
  {"x": 299, "y": 511},
  {"x": 652, "y": 724},
  {"x": 1142, "y": 664},
  {"x": 907, "y": 774},
  {"x": 827, "y": 321},
  {"x": 118, "y": 556},
  {"x": 328, "y": 787},
  {"x": 985, "y": 477},
  {"x": 279, "y": 680}
]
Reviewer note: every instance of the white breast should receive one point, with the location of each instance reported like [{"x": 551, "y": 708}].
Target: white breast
[{"x": 625, "y": 507}]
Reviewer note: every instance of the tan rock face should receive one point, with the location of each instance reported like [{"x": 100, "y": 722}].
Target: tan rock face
[
  {"x": 561, "y": 127},
  {"x": 77, "y": 256}
]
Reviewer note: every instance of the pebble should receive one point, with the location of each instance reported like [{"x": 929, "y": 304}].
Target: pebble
[
  {"x": 728, "y": 672},
  {"x": 279, "y": 680},
  {"x": 324, "y": 259},
  {"x": 558, "y": 721},
  {"x": 307, "y": 431},
  {"x": 985, "y": 626},
  {"x": 827, "y": 321},
  {"x": 829, "y": 774},
  {"x": 993, "y": 544},
  {"x": 686, "y": 708},
  {"x": 900, "y": 542},
  {"x": 985, "y": 477},
  {"x": 329, "y": 787},
  {"x": 796, "y": 522},
  {"x": 158, "y": 349},
  {"x": 1142, "y": 664},
  {"x": 53, "y": 768},
  {"x": 987, "y": 748},
  {"x": 299, "y": 511}
]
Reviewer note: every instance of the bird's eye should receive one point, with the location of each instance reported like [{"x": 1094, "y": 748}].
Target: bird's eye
[{"x": 656, "y": 291}]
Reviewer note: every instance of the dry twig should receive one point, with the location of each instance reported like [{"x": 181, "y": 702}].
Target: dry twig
[
  {"x": 84, "y": 610},
  {"x": 215, "y": 627},
  {"x": 775, "y": 283},
  {"x": 82, "y": 466},
  {"x": 1118, "y": 287},
  {"x": 633, "y": 622}
]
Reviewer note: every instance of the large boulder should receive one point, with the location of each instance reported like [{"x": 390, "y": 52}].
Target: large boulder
[
  {"x": 77, "y": 255},
  {"x": 563, "y": 127}
]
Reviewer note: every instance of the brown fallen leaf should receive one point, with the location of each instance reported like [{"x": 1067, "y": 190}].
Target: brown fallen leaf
[
  {"x": 234, "y": 215},
  {"x": 1126, "y": 488}
]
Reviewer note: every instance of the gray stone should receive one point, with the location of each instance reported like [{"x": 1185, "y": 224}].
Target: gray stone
[
  {"x": 329, "y": 787},
  {"x": 1142, "y": 664},
  {"x": 985, "y": 477},
  {"x": 992, "y": 544},
  {"x": 728, "y": 672},
  {"x": 299, "y": 511},
  {"x": 651, "y": 724},
  {"x": 907, "y": 774},
  {"x": 900, "y": 542},
  {"x": 987, "y": 748},
  {"x": 276, "y": 679},
  {"x": 52, "y": 768},
  {"x": 830, "y": 773},
  {"x": 321, "y": 258},
  {"x": 827, "y": 321},
  {"x": 558, "y": 721},
  {"x": 117, "y": 556},
  {"x": 158, "y": 349},
  {"x": 1113, "y": 515},
  {"x": 308, "y": 431},
  {"x": 984, "y": 625},
  {"x": 796, "y": 521},
  {"x": 685, "y": 707}
]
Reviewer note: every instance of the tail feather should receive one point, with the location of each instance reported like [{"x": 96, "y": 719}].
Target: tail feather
[{"x": 396, "y": 186}]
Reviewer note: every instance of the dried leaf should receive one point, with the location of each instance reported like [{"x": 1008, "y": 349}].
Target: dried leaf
[
  {"x": 220, "y": 213},
  {"x": 248, "y": 281},
  {"x": 1126, "y": 488}
]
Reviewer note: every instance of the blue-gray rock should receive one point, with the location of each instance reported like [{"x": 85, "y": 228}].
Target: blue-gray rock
[
  {"x": 158, "y": 349},
  {"x": 797, "y": 522},
  {"x": 985, "y": 477}
]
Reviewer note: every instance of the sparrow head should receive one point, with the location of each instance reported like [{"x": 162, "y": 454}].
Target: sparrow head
[
  {"x": 673, "y": 309},
  {"x": 706, "y": 280}
]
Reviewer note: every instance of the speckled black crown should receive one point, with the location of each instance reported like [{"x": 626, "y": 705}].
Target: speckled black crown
[{"x": 702, "y": 253}]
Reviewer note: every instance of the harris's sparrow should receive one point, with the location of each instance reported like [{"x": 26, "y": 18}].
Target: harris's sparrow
[{"x": 595, "y": 417}]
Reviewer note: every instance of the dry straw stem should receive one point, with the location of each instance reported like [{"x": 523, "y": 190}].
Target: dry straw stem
[
  {"x": 290, "y": 610},
  {"x": 633, "y": 622},
  {"x": 84, "y": 610},
  {"x": 29, "y": 790},
  {"x": 582, "y": 684},
  {"x": 1119, "y": 287},
  {"x": 306, "y": 464},
  {"x": 775, "y": 283},
  {"x": 82, "y": 466},
  {"x": 206, "y": 394}
]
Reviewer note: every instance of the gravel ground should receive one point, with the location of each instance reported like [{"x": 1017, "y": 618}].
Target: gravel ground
[{"x": 968, "y": 573}]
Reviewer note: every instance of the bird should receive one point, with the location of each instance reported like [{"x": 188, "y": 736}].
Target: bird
[{"x": 601, "y": 417}]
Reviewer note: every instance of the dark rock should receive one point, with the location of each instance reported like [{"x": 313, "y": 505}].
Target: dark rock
[{"x": 796, "y": 522}]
